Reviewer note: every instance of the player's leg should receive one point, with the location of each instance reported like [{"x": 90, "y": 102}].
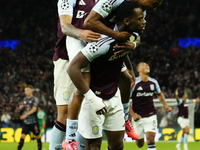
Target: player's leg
[
  {"x": 93, "y": 144},
  {"x": 73, "y": 47},
  {"x": 139, "y": 127},
  {"x": 115, "y": 139},
  {"x": 63, "y": 88},
  {"x": 81, "y": 141},
  {"x": 184, "y": 124},
  {"x": 186, "y": 131},
  {"x": 36, "y": 131},
  {"x": 114, "y": 122},
  {"x": 125, "y": 84},
  {"x": 150, "y": 140},
  {"x": 150, "y": 129},
  {"x": 25, "y": 131},
  {"x": 21, "y": 142}
]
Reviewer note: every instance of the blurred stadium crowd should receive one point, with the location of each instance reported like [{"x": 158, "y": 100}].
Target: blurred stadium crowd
[{"x": 35, "y": 24}]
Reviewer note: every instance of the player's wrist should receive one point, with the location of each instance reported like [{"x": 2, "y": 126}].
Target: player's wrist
[
  {"x": 135, "y": 45},
  {"x": 95, "y": 101}
]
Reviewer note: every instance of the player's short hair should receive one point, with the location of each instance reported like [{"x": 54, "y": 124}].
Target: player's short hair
[
  {"x": 125, "y": 10},
  {"x": 29, "y": 86},
  {"x": 181, "y": 93}
]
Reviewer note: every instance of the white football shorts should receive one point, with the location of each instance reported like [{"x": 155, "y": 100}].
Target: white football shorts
[
  {"x": 90, "y": 125},
  {"x": 147, "y": 124},
  {"x": 63, "y": 86},
  {"x": 183, "y": 122},
  {"x": 73, "y": 47}
]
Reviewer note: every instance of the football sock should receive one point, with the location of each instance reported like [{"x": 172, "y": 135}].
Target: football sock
[
  {"x": 57, "y": 136},
  {"x": 72, "y": 126},
  {"x": 20, "y": 144},
  {"x": 151, "y": 146},
  {"x": 181, "y": 140},
  {"x": 126, "y": 110},
  {"x": 186, "y": 138},
  {"x": 80, "y": 141},
  {"x": 39, "y": 144}
]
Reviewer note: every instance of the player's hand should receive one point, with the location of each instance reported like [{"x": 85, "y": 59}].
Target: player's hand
[
  {"x": 22, "y": 117},
  {"x": 168, "y": 108},
  {"x": 125, "y": 46},
  {"x": 176, "y": 92},
  {"x": 197, "y": 99},
  {"x": 122, "y": 36},
  {"x": 89, "y": 36},
  {"x": 102, "y": 111},
  {"x": 136, "y": 117}
]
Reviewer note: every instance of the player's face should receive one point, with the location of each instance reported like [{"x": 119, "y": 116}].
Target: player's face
[
  {"x": 149, "y": 4},
  {"x": 137, "y": 22},
  {"x": 145, "y": 69},
  {"x": 28, "y": 91}
]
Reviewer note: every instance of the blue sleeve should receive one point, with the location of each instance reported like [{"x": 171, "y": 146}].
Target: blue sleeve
[
  {"x": 105, "y": 7},
  {"x": 66, "y": 7},
  {"x": 95, "y": 49}
]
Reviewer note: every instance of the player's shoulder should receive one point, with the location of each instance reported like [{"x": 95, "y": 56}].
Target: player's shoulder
[
  {"x": 137, "y": 80},
  {"x": 153, "y": 80}
]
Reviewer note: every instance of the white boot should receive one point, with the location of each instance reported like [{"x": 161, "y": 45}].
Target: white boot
[
  {"x": 185, "y": 147},
  {"x": 178, "y": 146}
]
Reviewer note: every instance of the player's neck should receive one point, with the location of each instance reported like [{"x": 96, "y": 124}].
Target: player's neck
[
  {"x": 144, "y": 77},
  {"x": 29, "y": 96}
]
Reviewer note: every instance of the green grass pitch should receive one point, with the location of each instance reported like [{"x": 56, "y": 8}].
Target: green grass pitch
[{"x": 127, "y": 146}]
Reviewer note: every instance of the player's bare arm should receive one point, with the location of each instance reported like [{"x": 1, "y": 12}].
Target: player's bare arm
[
  {"x": 93, "y": 22},
  {"x": 196, "y": 100},
  {"x": 130, "y": 70},
  {"x": 176, "y": 95},
  {"x": 161, "y": 97},
  {"x": 34, "y": 109},
  {"x": 74, "y": 71},
  {"x": 135, "y": 116},
  {"x": 70, "y": 30}
]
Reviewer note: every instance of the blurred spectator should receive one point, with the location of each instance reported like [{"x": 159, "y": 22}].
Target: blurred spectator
[
  {"x": 5, "y": 119},
  {"x": 15, "y": 119}
]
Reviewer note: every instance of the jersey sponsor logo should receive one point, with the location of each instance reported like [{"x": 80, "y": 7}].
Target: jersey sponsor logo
[
  {"x": 152, "y": 87},
  {"x": 66, "y": 96},
  {"x": 186, "y": 105},
  {"x": 113, "y": 57},
  {"x": 80, "y": 14},
  {"x": 140, "y": 88},
  {"x": 93, "y": 48},
  {"x": 139, "y": 94},
  {"x": 106, "y": 6},
  {"x": 95, "y": 130},
  {"x": 72, "y": 127},
  {"x": 81, "y": 2},
  {"x": 64, "y": 5}
]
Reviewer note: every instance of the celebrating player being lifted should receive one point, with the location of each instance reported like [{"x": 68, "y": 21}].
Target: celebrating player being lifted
[
  {"x": 102, "y": 108},
  {"x": 142, "y": 109}
]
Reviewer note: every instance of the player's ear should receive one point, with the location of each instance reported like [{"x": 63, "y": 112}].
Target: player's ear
[{"x": 126, "y": 21}]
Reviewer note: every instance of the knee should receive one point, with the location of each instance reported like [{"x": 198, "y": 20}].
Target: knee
[
  {"x": 140, "y": 143},
  {"x": 23, "y": 136},
  {"x": 117, "y": 147}
]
